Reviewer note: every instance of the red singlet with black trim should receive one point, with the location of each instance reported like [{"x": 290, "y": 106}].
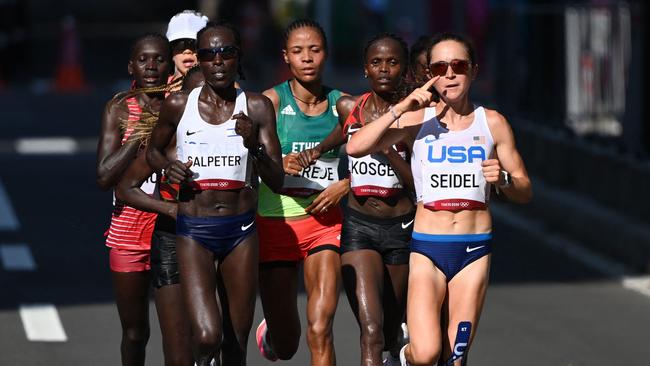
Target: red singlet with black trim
[
  {"x": 131, "y": 228},
  {"x": 371, "y": 175}
]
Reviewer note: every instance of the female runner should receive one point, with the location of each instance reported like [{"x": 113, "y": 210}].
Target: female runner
[
  {"x": 302, "y": 223},
  {"x": 225, "y": 138},
  {"x": 379, "y": 219},
  {"x": 129, "y": 235},
  {"x": 458, "y": 150}
]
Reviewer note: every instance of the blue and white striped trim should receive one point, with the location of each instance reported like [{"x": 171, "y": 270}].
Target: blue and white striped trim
[{"x": 452, "y": 238}]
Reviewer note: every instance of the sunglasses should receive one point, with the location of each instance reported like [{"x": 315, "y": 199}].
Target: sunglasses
[
  {"x": 180, "y": 45},
  {"x": 457, "y": 66},
  {"x": 226, "y": 52}
]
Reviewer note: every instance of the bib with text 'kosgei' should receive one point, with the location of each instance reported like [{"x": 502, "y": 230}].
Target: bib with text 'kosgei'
[
  {"x": 219, "y": 157},
  {"x": 372, "y": 174},
  {"x": 446, "y": 164}
]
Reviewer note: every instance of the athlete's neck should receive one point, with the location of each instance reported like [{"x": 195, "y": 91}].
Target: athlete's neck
[
  {"x": 381, "y": 102},
  {"x": 153, "y": 100},
  {"x": 308, "y": 93},
  {"x": 219, "y": 95},
  {"x": 457, "y": 111}
]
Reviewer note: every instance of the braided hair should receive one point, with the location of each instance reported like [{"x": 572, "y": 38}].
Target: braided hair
[
  {"x": 302, "y": 23},
  {"x": 235, "y": 32}
]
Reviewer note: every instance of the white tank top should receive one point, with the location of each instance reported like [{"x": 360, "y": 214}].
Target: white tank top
[
  {"x": 372, "y": 174},
  {"x": 446, "y": 164},
  {"x": 220, "y": 160}
]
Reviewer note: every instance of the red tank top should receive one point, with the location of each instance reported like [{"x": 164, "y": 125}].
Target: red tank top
[{"x": 130, "y": 229}]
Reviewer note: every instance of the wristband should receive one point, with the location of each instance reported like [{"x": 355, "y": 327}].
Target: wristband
[{"x": 507, "y": 180}]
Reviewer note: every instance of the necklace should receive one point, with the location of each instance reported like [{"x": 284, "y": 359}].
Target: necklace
[{"x": 316, "y": 102}]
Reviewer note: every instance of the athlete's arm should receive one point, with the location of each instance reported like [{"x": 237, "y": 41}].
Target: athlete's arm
[
  {"x": 171, "y": 112},
  {"x": 401, "y": 167},
  {"x": 378, "y": 135},
  {"x": 509, "y": 159},
  {"x": 269, "y": 163},
  {"x": 336, "y": 138},
  {"x": 112, "y": 156},
  {"x": 274, "y": 98},
  {"x": 128, "y": 189}
]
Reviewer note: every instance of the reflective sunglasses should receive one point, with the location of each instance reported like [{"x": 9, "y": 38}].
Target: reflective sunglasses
[
  {"x": 457, "y": 66},
  {"x": 226, "y": 52},
  {"x": 180, "y": 45}
]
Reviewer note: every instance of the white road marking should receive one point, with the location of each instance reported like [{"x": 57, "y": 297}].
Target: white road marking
[
  {"x": 17, "y": 257},
  {"x": 639, "y": 284},
  {"x": 46, "y": 145},
  {"x": 8, "y": 219},
  {"x": 602, "y": 264},
  {"x": 42, "y": 323}
]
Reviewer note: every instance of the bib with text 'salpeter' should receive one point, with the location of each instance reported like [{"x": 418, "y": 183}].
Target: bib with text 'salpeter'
[
  {"x": 371, "y": 175},
  {"x": 446, "y": 164},
  {"x": 219, "y": 159}
]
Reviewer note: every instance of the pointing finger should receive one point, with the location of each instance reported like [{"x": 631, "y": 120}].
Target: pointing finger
[{"x": 430, "y": 83}]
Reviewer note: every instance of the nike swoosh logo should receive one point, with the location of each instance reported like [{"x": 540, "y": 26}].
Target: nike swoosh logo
[
  {"x": 469, "y": 250},
  {"x": 188, "y": 133},
  {"x": 428, "y": 140},
  {"x": 407, "y": 224},
  {"x": 245, "y": 227}
]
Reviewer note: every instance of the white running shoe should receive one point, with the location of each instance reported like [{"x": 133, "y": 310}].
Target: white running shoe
[{"x": 402, "y": 357}]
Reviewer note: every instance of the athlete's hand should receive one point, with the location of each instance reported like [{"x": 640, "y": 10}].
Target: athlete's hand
[
  {"x": 308, "y": 157},
  {"x": 177, "y": 171},
  {"x": 418, "y": 99},
  {"x": 329, "y": 198},
  {"x": 491, "y": 170},
  {"x": 245, "y": 128},
  {"x": 291, "y": 164}
]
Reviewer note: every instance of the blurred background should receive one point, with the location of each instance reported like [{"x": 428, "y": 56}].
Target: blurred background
[{"x": 569, "y": 76}]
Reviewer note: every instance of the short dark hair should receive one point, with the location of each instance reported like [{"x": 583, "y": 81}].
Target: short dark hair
[{"x": 235, "y": 32}]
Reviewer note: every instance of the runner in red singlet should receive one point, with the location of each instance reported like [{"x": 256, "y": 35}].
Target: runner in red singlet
[{"x": 129, "y": 235}]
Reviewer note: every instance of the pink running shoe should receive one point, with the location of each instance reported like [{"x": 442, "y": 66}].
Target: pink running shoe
[{"x": 262, "y": 342}]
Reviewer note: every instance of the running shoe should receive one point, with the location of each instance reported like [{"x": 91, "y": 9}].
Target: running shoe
[
  {"x": 263, "y": 342},
  {"x": 402, "y": 357}
]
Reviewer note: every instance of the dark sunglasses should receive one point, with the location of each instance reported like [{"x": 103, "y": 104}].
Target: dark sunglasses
[
  {"x": 226, "y": 52},
  {"x": 457, "y": 66},
  {"x": 180, "y": 45}
]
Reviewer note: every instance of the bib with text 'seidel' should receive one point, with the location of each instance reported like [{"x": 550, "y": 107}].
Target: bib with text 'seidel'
[{"x": 446, "y": 165}]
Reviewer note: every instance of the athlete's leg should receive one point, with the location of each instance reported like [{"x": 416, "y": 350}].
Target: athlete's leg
[
  {"x": 322, "y": 277},
  {"x": 279, "y": 291},
  {"x": 132, "y": 298},
  {"x": 363, "y": 279},
  {"x": 395, "y": 290},
  {"x": 466, "y": 297},
  {"x": 427, "y": 286},
  {"x": 198, "y": 284},
  {"x": 237, "y": 291},
  {"x": 174, "y": 326}
]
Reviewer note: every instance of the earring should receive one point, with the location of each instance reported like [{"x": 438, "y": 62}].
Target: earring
[{"x": 365, "y": 76}]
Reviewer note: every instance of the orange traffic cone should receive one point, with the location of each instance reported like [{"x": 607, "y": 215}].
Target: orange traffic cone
[{"x": 69, "y": 73}]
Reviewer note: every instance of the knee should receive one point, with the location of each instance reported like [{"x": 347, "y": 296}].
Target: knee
[
  {"x": 208, "y": 340},
  {"x": 320, "y": 329},
  {"x": 136, "y": 335},
  {"x": 372, "y": 334},
  {"x": 424, "y": 354}
]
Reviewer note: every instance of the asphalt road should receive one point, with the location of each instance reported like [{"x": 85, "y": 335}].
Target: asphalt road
[{"x": 543, "y": 307}]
